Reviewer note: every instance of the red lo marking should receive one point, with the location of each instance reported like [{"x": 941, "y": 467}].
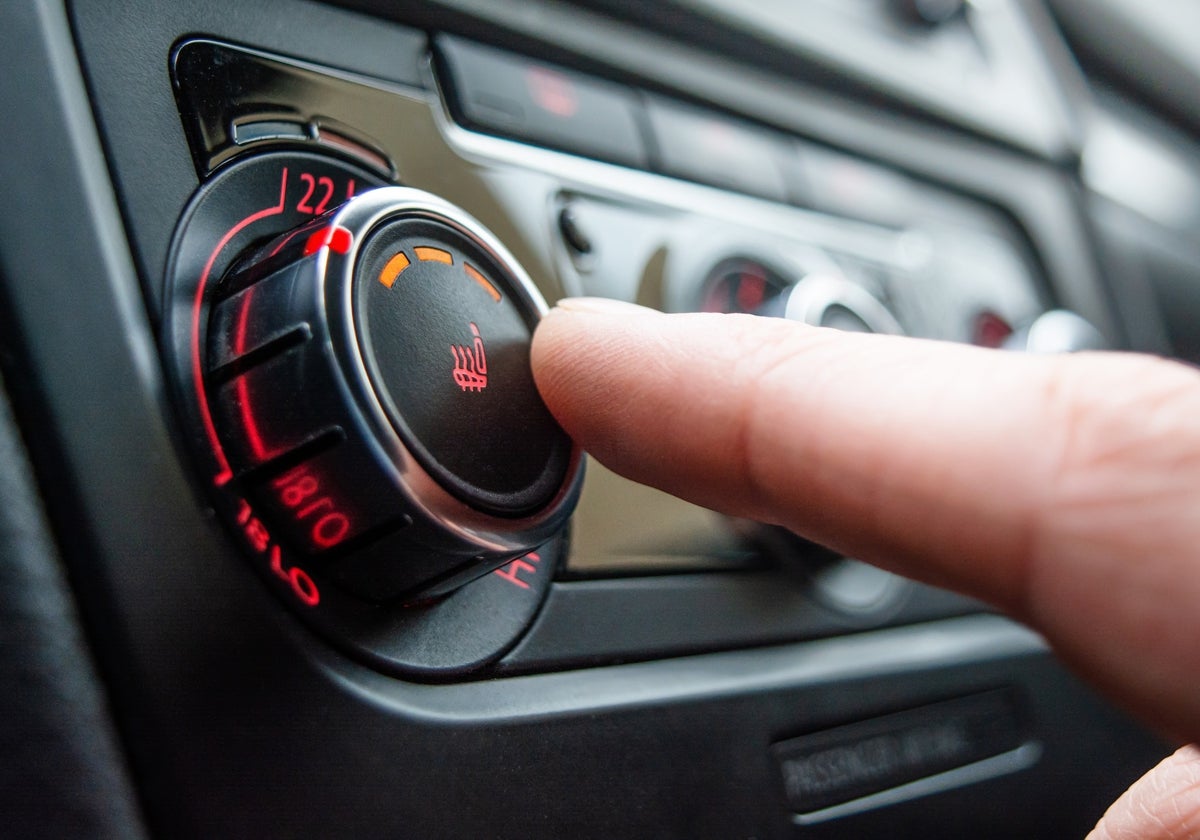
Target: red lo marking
[
  {"x": 512, "y": 572},
  {"x": 298, "y": 491},
  {"x": 300, "y": 581},
  {"x": 470, "y": 363}
]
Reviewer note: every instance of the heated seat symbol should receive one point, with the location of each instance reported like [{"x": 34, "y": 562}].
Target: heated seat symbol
[{"x": 470, "y": 364}]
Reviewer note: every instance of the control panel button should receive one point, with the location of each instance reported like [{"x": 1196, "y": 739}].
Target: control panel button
[
  {"x": 370, "y": 386},
  {"x": 705, "y": 147},
  {"x": 506, "y": 94},
  {"x": 321, "y": 483},
  {"x": 446, "y": 345}
]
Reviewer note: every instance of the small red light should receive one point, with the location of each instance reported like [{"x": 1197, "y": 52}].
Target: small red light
[
  {"x": 991, "y": 330},
  {"x": 337, "y": 239},
  {"x": 552, "y": 91}
]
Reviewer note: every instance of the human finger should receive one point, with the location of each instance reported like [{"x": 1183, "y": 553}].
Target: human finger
[
  {"x": 1062, "y": 489},
  {"x": 1162, "y": 805}
]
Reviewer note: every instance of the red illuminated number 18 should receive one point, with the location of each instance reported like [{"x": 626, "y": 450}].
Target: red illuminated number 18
[{"x": 298, "y": 491}]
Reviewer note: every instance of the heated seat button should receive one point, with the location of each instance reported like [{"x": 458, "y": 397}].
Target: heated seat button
[
  {"x": 507, "y": 94},
  {"x": 449, "y": 357}
]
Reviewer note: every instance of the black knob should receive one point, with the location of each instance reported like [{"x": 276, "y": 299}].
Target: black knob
[{"x": 369, "y": 373}]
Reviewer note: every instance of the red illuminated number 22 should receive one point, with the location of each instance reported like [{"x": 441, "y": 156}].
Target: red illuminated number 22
[{"x": 325, "y": 183}]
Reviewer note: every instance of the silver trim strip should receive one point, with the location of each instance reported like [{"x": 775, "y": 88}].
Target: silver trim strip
[
  {"x": 634, "y": 186},
  {"x": 1014, "y": 761}
]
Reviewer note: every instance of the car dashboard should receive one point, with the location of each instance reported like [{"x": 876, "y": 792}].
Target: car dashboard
[{"x": 206, "y": 635}]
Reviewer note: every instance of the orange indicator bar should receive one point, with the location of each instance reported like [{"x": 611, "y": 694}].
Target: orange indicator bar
[
  {"x": 474, "y": 274},
  {"x": 392, "y": 270},
  {"x": 427, "y": 254}
]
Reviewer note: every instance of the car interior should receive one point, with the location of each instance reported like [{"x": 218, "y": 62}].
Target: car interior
[{"x": 278, "y": 562}]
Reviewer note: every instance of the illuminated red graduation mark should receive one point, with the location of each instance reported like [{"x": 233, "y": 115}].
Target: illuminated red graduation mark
[
  {"x": 470, "y": 363},
  {"x": 512, "y": 572}
]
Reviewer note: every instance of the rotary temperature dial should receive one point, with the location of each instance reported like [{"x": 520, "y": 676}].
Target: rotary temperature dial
[{"x": 368, "y": 374}]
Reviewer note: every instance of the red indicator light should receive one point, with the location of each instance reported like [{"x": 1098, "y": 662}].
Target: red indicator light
[
  {"x": 394, "y": 268},
  {"x": 991, "y": 330},
  {"x": 553, "y": 92},
  {"x": 427, "y": 254},
  {"x": 470, "y": 364},
  {"x": 483, "y": 282},
  {"x": 751, "y": 292},
  {"x": 336, "y": 239}
]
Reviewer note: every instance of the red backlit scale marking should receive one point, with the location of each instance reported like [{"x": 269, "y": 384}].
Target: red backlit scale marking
[
  {"x": 512, "y": 572},
  {"x": 255, "y": 532},
  {"x": 301, "y": 583},
  {"x": 224, "y": 474},
  {"x": 300, "y": 492},
  {"x": 336, "y": 238},
  {"x": 249, "y": 424}
]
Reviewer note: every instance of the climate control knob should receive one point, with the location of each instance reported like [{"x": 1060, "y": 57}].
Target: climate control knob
[
  {"x": 369, "y": 379},
  {"x": 828, "y": 300}
]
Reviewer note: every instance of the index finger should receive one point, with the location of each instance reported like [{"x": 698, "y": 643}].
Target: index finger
[{"x": 1062, "y": 489}]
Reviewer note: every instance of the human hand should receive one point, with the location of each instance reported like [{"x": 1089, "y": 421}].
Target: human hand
[{"x": 1064, "y": 490}]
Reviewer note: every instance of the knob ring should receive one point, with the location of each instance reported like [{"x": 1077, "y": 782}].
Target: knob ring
[
  {"x": 810, "y": 300},
  {"x": 484, "y": 533}
]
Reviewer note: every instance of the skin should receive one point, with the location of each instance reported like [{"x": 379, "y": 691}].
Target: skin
[{"x": 1064, "y": 490}]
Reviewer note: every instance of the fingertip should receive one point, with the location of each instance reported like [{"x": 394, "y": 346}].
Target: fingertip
[
  {"x": 569, "y": 337},
  {"x": 1165, "y": 803}
]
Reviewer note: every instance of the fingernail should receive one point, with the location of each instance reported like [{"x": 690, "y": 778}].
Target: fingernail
[{"x": 602, "y": 306}]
